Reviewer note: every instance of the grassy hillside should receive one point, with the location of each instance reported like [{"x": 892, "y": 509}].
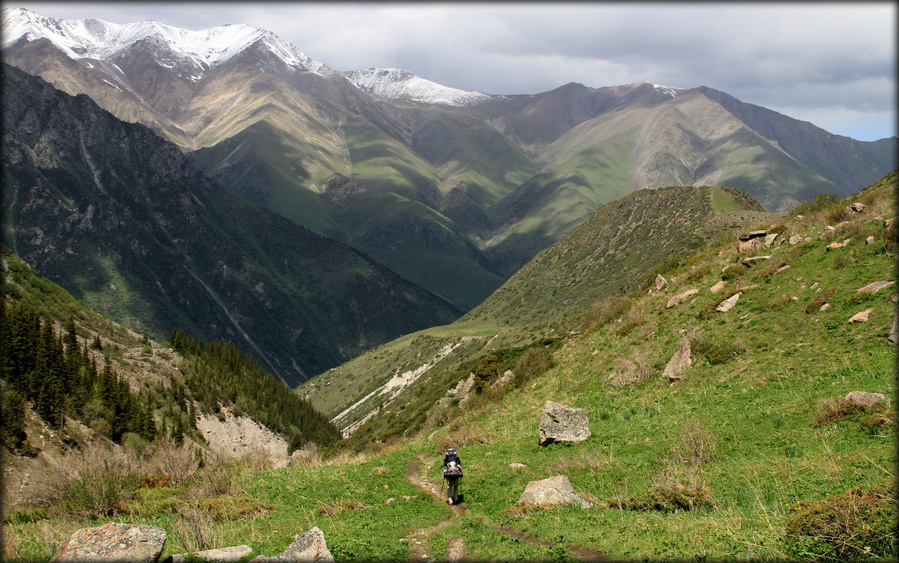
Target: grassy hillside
[{"x": 748, "y": 454}]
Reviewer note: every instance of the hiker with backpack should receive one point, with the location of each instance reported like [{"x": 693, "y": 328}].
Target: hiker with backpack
[{"x": 452, "y": 472}]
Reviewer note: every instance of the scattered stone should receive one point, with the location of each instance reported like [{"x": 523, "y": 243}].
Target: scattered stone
[
  {"x": 834, "y": 245},
  {"x": 824, "y": 307},
  {"x": 750, "y": 262},
  {"x": 870, "y": 240},
  {"x": 113, "y": 542},
  {"x": 815, "y": 285},
  {"x": 828, "y": 232},
  {"x": 728, "y": 303},
  {"x": 661, "y": 283},
  {"x": 718, "y": 286},
  {"x": 889, "y": 222},
  {"x": 517, "y": 466},
  {"x": 562, "y": 423},
  {"x": 858, "y": 207},
  {"x": 795, "y": 239},
  {"x": 224, "y": 555},
  {"x": 893, "y": 338},
  {"x": 874, "y": 287},
  {"x": 389, "y": 500},
  {"x": 679, "y": 362},
  {"x": 678, "y": 299},
  {"x": 861, "y": 317},
  {"x": 782, "y": 268},
  {"x": 865, "y": 399},
  {"x": 799, "y": 217},
  {"x": 311, "y": 546},
  {"x": 548, "y": 492},
  {"x": 769, "y": 239}
]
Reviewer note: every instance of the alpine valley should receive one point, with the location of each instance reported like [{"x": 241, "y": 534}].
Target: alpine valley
[{"x": 247, "y": 296}]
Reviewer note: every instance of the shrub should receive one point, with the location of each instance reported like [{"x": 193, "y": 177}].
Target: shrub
[
  {"x": 605, "y": 311},
  {"x": 734, "y": 272},
  {"x": 632, "y": 371},
  {"x": 810, "y": 206},
  {"x": 101, "y": 479},
  {"x": 715, "y": 350},
  {"x": 694, "y": 443},
  {"x": 664, "y": 500},
  {"x": 533, "y": 362},
  {"x": 179, "y": 462},
  {"x": 822, "y": 298},
  {"x": 850, "y": 526}
]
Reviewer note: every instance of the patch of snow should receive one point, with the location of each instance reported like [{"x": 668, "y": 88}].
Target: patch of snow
[
  {"x": 402, "y": 84},
  {"x": 101, "y": 40},
  {"x": 673, "y": 92}
]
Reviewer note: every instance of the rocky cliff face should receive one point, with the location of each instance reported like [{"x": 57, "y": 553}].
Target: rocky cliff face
[{"x": 121, "y": 219}]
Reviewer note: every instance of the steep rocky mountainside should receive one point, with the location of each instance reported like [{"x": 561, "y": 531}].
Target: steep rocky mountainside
[
  {"x": 121, "y": 219},
  {"x": 487, "y": 183}
]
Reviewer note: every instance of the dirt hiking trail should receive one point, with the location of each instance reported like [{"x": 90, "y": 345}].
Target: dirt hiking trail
[{"x": 456, "y": 549}]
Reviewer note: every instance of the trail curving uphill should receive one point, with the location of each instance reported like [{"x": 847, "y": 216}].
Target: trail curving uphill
[{"x": 456, "y": 548}]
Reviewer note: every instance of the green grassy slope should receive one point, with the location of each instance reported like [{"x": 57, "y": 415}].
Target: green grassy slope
[{"x": 751, "y": 429}]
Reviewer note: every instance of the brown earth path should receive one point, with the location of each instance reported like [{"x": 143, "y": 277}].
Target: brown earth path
[{"x": 456, "y": 548}]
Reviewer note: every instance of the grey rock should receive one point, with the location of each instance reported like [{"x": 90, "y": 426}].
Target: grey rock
[
  {"x": 893, "y": 338},
  {"x": 661, "y": 283},
  {"x": 858, "y": 207},
  {"x": 113, "y": 542},
  {"x": 562, "y": 423},
  {"x": 311, "y": 546},
  {"x": 718, "y": 286},
  {"x": 679, "y": 362},
  {"x": 862, "y": 317},
  {"x": 728, "y": 303},
  {"x": 678, "y": 299},
  {"x": 874, "y": 287},
  {"x": 552, "y": 491},
  {"x": 865, "y": 399},
  {"x": 750, "y": 262}
]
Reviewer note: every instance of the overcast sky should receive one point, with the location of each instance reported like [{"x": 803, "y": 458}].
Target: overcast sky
[{"x": 833, "y": 64}]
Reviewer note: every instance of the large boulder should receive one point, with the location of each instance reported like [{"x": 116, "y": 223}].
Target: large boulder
[
  {"x": 548, "y": 492},
  {"x": 561, "y": 423},
  {"x": 311, "y": 546},
  {"x": 893, "y": 338},
  {"x": 113, "y": 542}
]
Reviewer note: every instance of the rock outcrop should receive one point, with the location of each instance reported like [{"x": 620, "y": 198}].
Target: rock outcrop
[
  {"x": 552, "y": 491},
  {"x": 562, "y": 423},
  {"x": 113, "y": 542},
  {"x": 311, "y": 546}
]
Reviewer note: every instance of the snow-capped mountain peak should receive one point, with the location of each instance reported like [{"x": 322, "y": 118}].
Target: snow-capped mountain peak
[
  {"x": 402, "y": 84},
  {"x": 101, "y": 40}
]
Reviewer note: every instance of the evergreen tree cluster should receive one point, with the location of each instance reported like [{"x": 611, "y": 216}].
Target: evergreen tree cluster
[
  {"x": 221, "y": 374},
  {"x": 58, "y": 377}
]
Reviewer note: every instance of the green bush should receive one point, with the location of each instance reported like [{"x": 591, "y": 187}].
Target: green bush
[
  {"x": 855, "y": 525},
  {"x": 664, "y": 500},
  {"x": 715, "y": 351}
]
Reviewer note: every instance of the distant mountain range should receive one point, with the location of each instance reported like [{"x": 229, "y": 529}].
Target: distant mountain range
[
  {"x": 452, "y": 190},
  {"x": 120, "y": 218}
]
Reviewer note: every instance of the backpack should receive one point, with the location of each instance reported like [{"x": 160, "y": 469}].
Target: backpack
[{"x": 452, "y": 469}]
